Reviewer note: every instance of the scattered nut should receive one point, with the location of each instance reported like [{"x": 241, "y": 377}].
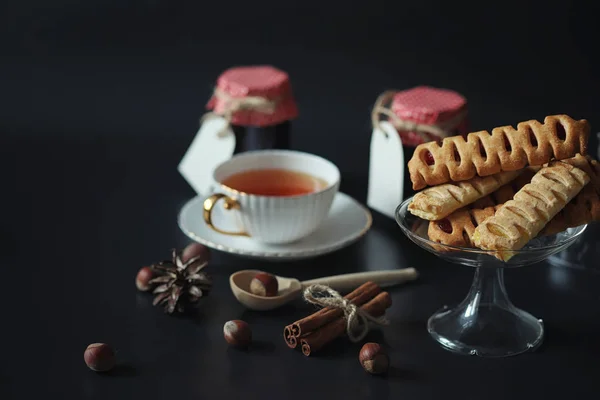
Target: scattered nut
[
  {"x": 142, "y": 280},
  {"x": 264, "y": 284},
  {"x": 195, "y": 250},
  {"x": 373, "y": 358},
  {"x": 99, "y": 357},
  {"x": 237, "y": 333}
]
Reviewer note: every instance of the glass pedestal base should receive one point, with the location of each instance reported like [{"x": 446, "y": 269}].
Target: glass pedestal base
[
  {"x": 496, "y": 332},
  {"x": 486, "y": 324}
]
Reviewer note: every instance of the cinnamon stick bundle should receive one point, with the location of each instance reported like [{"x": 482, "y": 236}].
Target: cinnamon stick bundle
[
  {"x": 359, "y": 296},
  {"x": 319, "y": 338}
]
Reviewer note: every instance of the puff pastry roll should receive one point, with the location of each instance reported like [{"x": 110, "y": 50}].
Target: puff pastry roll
[
  {"x": 519, "y": 220},
  {"x": 585, "y": 207},
  {"x": 505, "y": 149},
  {"x": 458, "y": 227},
  {"x": 437, "y": 202}
]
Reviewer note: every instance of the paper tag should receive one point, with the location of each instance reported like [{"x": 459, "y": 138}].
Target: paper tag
[
  {"x": 207, "y": 151},
  {"x": 386, "y": 170}
]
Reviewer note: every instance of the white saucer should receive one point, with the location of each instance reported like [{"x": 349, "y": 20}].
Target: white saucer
[{"x": 347, "y": 222}]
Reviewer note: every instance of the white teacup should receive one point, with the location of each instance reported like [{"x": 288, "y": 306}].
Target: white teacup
[{"x": 274, "y": 218}]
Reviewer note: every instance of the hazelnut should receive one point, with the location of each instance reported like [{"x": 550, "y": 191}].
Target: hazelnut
[
  {"x": 99, "y": 357},
  {"x": 373, "y": 358},
  {"x": 237, "y": 333},
  {"x": 195, "y": 250},
  {"x": 142, "y": 280},
  {"x": 264, "y": 284}
]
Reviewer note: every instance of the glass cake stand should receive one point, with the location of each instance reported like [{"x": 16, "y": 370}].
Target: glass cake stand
[{"x": 485, "y": 323}]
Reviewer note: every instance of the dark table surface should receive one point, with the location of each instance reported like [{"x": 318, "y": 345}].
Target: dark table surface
[{"x": 98, "y": 105}]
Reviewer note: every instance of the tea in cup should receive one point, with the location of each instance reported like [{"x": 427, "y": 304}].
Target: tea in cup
[{"x": 275, "y": 196}]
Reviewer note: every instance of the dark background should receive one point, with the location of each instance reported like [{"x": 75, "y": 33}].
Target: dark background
[
  {"x": 100, "y": 99},
  {"x": 67, "y": 65}
]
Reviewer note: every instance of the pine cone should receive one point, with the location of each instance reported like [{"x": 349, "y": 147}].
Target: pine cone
[{"x": 180, "y": 284}]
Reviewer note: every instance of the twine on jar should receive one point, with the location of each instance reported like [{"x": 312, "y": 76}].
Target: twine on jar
[
  {"x": 234, "y": 104},
  {"x": 357, "y": 321},
  {"x": 439, "y": 130}
]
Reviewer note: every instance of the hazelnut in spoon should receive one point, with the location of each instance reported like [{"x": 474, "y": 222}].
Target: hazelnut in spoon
[
  {"x": 264, "y": 284},
  {"x": 289, "y": 289}
]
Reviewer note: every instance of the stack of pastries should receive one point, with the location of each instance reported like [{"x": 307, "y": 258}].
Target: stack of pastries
[{"x": 497, "y": 191}]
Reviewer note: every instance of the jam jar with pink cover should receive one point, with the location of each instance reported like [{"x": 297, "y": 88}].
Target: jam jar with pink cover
[
  {"x": 422, "y": 114},
  {"x": 258, "y": 104}
]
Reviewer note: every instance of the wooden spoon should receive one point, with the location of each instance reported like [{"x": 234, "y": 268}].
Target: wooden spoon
[{"x": 290, "y": 288}]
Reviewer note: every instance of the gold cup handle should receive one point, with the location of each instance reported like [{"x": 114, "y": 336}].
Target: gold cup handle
[{"x": 229, "y": 204}]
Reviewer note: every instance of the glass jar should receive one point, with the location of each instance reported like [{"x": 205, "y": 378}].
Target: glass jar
[
  {"x": 258, "y": 104},
  {"x": 423, "y": 114}
]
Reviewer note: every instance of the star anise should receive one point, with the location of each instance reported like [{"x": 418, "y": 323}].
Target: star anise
[{"x": 180, "y": 284}]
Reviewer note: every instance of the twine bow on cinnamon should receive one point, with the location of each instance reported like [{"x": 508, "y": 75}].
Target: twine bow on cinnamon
[
  {"x": 439, "y": 130},
  {"x": 357, "y": 321},
  {"x": 234, "y": 104}
]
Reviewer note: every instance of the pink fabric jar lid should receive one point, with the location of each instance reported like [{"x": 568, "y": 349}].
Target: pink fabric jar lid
[
  {"x": 264, "y": 92},
  {"x": 430, "y": 106}
]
